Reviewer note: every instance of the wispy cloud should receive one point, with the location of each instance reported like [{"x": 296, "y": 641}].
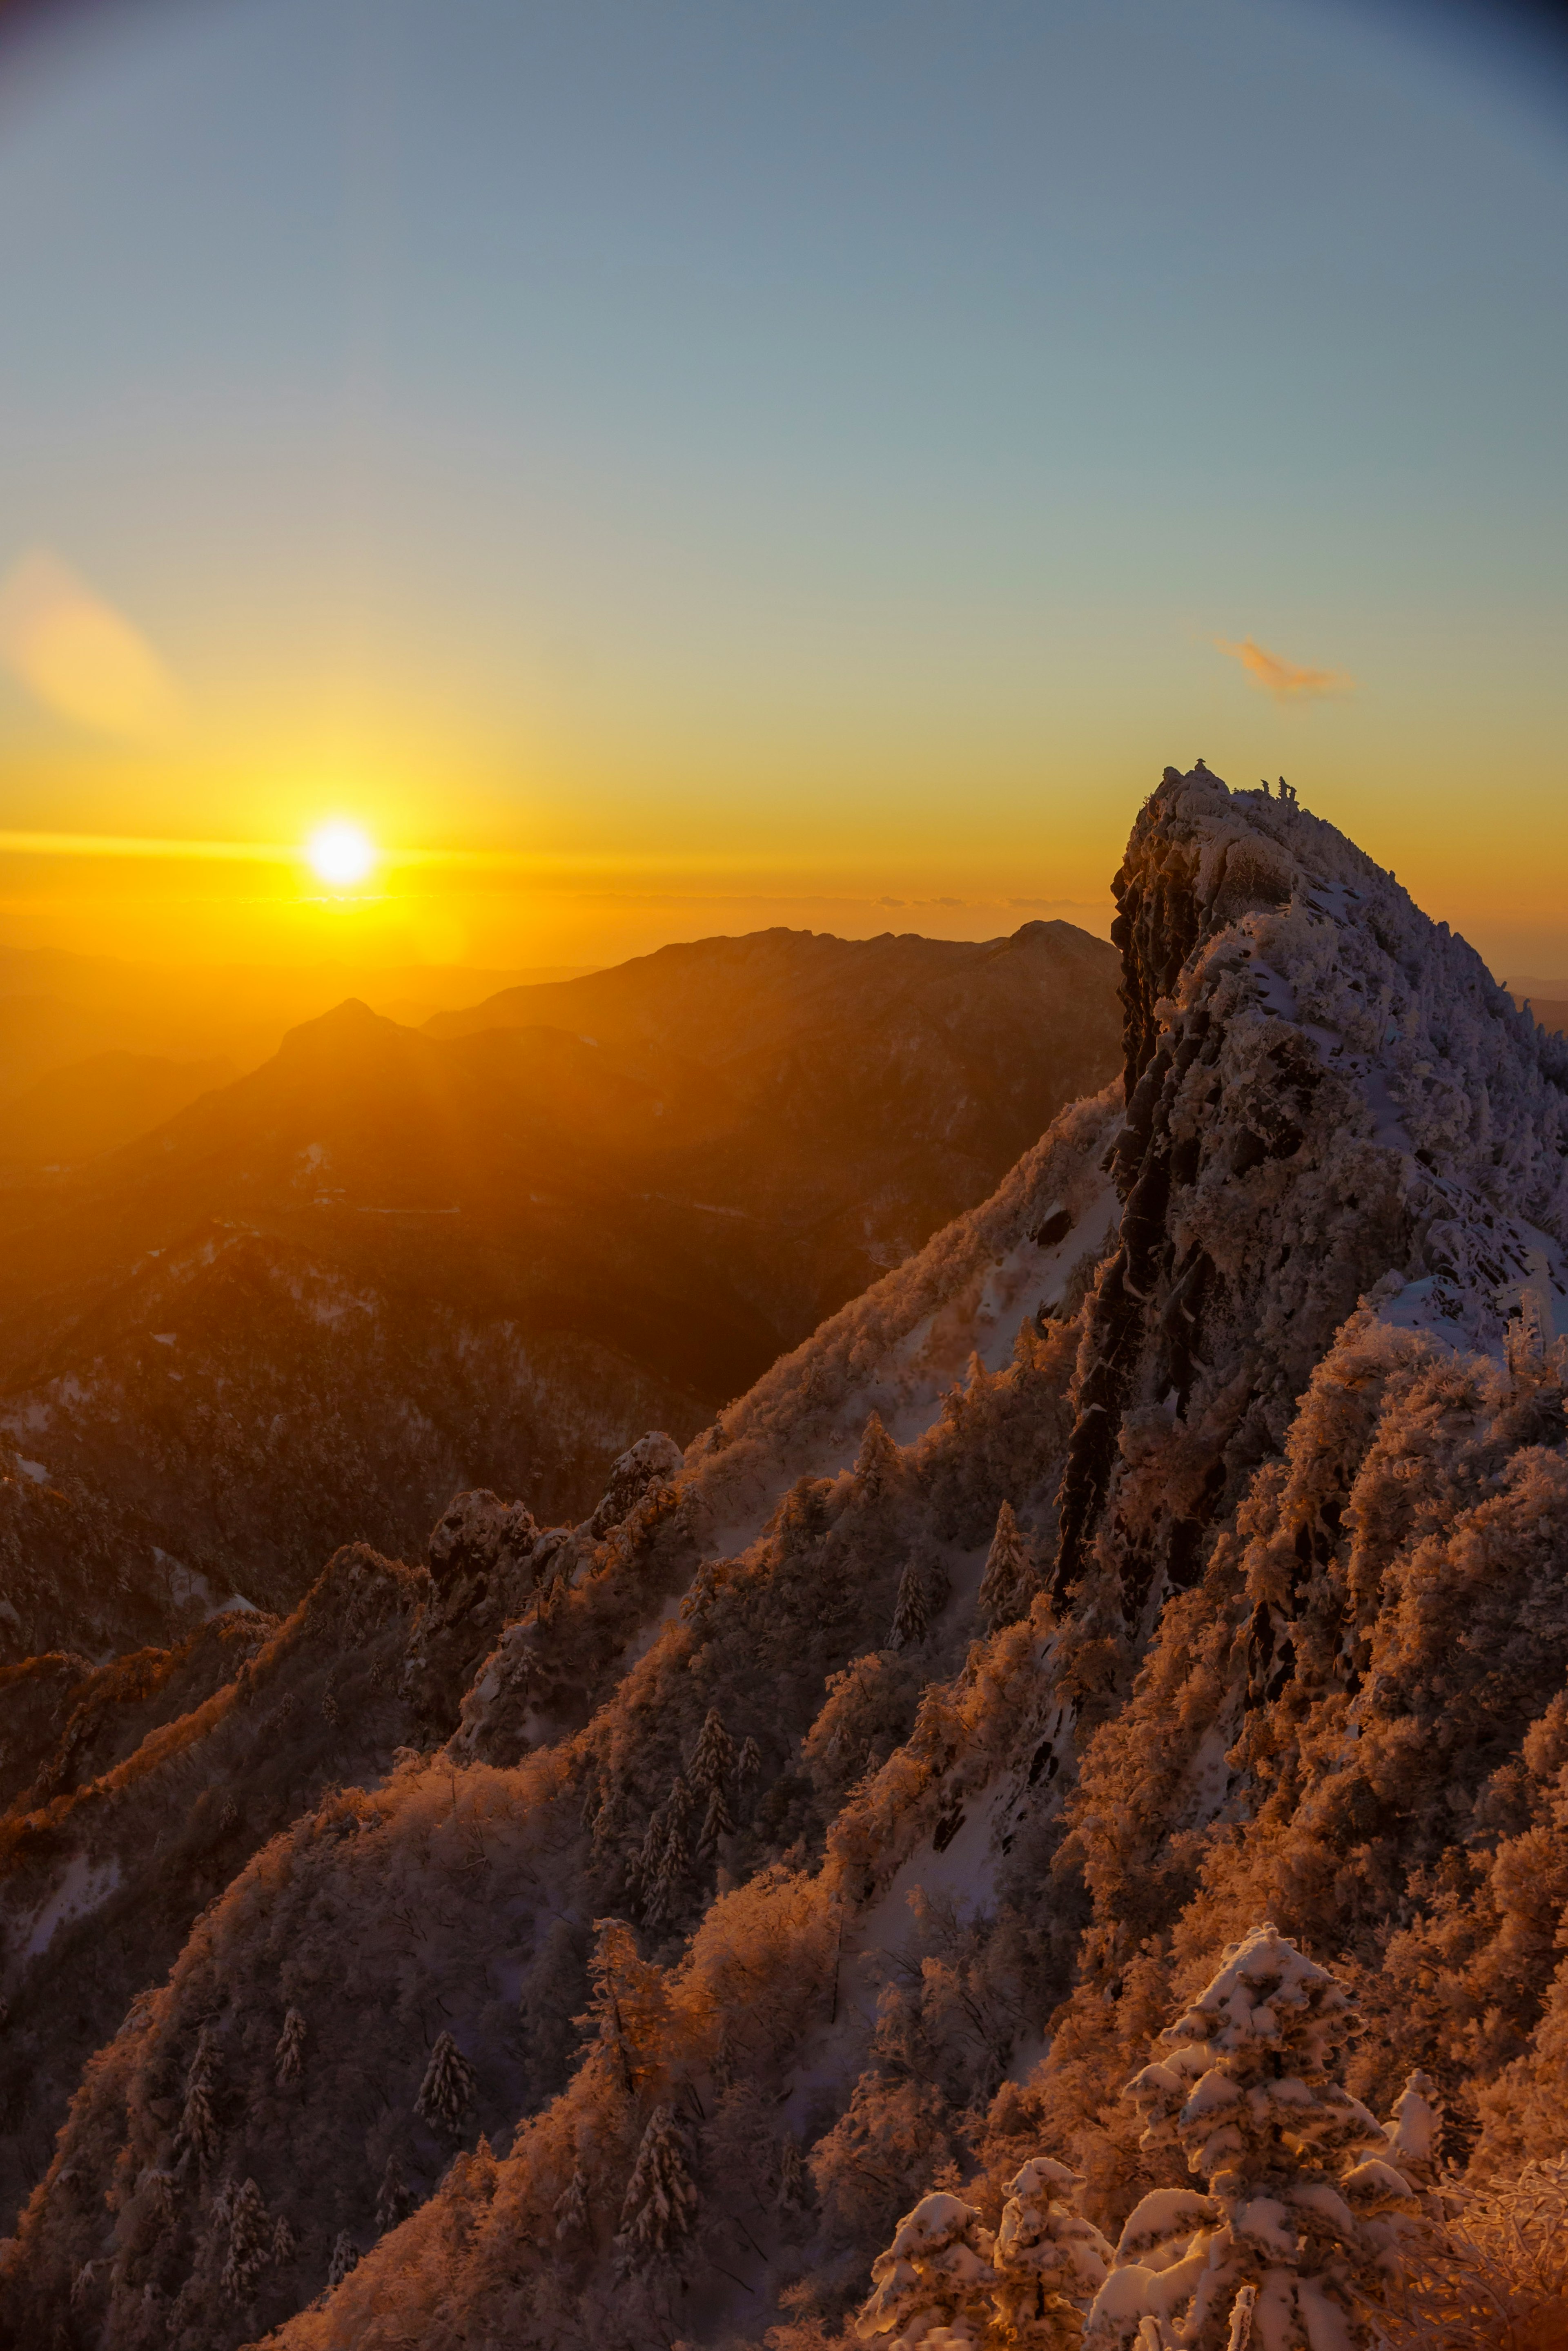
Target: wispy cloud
[
  {"x": 78, "y": 656},
  {"x": 1287, "y": 681}
]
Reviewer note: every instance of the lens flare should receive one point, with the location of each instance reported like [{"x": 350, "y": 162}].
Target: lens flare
[{"x": 341, "y": 854}]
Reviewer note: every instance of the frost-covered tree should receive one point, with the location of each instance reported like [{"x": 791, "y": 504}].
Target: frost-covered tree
[
  {"x": 878, "y": 1461},
  {"x": 395, "y": 2200},
  {"x": 284, "y": 2242},
  {"x": 344, "y": 2257},
  {"x": 1050, "y": 2262},
  {"x": 629, "y": 2005},
  {"x": 912, "y": 1611},
  {"x": 659, "y": 2210},
  {"x": 571, "y": 2206},
  {"x": 642, "y": 1869},
  {"x": 198, "y": 2122},
  {"x": 448, "y": 2088},
  {"x": 250, "y": 2242},
  {"x": 792, "y": 2193},
  {"x": 716, "y": 1822},
  {"x": 1298, "y": 2233},
  {"x": 1003, "y": 1588},
  {"x": 934, "y": 2280},
  {"x": 748, "y": 1768},
  {"x": 288, "y": 2057},
  {"x": 1415, "y": 2130},
  {"x": 715, "y": 1757}
]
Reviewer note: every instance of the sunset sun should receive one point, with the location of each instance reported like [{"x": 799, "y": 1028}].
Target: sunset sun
[{"x": 341, "y": 854}]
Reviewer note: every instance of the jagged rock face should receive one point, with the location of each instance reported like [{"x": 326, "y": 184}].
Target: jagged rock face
[
  {"x": 1313, "y": 1071},
  {"x": 478, "y": 1535},
  {"x": 653, "y": 1460},
  {"x": 1266, "y": 1370}
]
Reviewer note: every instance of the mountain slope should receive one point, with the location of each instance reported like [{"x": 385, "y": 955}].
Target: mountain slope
[
  {"x": 385, "y": 1265},
  {"x": 1270, "y": 1374}
]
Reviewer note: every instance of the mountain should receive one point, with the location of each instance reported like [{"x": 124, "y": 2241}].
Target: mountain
[
  {"x": 387, "y": 1266},
  {"x": 836, "y": 1815},
  {"x": 95, "y": 1105}
]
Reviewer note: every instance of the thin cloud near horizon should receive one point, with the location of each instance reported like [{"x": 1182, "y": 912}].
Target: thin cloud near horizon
[{"x": 1287, "y": 681}]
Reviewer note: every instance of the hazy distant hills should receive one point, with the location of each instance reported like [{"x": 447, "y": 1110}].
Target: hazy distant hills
[
  {"x": 389, "y": 1264},
  {"x": 95, "y": 1105}
]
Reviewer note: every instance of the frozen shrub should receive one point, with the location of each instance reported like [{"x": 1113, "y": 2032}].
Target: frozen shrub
[{"x": 934, "y": 2282}]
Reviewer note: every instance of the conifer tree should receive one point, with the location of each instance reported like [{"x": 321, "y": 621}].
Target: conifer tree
[
  {"x": 1413, "y": 2130},
  {"x": 936, "y": 2275},
  {"x": 198, "y": 2123},
  {"x": 1004, "y": 1585},
  {"x": 571, "y": 2206},
  {"x": 878, "y": 1463},
  {"x": 911, "y": 1613},
  {"x": 642, "y": 1870},
  {"x": 250, "y": 2242},
  {"x": 716, "y": 1822},
  {"x": 289, "y": 2054},
  {"x": 448, "y": 2088},
  {"x": 628, "y": 2007},
  {"x": 284, "y": 2243},
  {"x": 1050, "y": 2262},
  {"x": 715, "y": 1757},
  {"x": 748, "y": 1768},
  {"x": 344, "y": 2257},
  {"x": 395, "y": 2200},
  {"x": 660, "y": 2207},
  {"x": 678, "y": 1805},
  {"x": 792, "y": 2192},
  {"x": 674, "y": 1868},
  {"x": 1302, "y": 2216}
]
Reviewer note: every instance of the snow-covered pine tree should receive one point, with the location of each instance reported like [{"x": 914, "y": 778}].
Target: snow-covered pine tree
[
  {"x": 936, "y": 2275},
  {"x": 1299, "y": 2231},
  {"x": 250, "y": 2242},
  {"x": 571, "y": 2206},
  {"x": 878, "y": 1463},
  {"x": 1003, "y": 1588},
  {"x": 716, "y": 1822},
  {"x": 912, "y": 1611},
  {"x": 289, "y": 2054},
  {"x": 748, "y": 1768},
  {"x": 715, "y": 1757},
  {"x": 660, "y": 2206},
  {"x": 198, "y": 2123},
  {"x": 344, "y": 2257},
  {"x": 670, "y": 1883},
  {"x": 1050, "y": 2262},
  {"x": 793, "y": 2189},
  {"x": 395, "y": 2200},
  {"x": 678, "y": 1805},
  {"x": 628, "y": 2006},
  {"x": 448, "y": 2088},
  {"x": 1415, "y": 2130},
  {"x": 284, "y": 2242},
  {"x": 642, "y": 1869}
]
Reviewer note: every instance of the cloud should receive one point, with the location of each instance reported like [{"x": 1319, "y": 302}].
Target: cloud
[
  {"x": 1287, "y": 681},
  {"x": 78, "y": 656}
]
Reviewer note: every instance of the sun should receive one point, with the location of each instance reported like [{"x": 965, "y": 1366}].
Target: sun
[{"x": 341, "y": 854}]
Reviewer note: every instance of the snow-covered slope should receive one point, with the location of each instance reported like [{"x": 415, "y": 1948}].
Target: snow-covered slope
[{"x": 842, "y": 1822}]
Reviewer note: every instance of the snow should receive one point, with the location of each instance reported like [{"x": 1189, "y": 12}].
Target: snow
[
  {"x": 85, "y": 1887},
  {"x": 34, "y": 1470}
]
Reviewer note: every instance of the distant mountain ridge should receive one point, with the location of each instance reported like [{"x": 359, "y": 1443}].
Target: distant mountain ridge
[{"x": 388, "y": 1264}]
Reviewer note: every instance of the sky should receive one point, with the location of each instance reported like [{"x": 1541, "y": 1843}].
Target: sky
[{"x": 668, "y": 470}]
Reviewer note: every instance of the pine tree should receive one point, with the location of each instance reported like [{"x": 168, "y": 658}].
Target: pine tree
[
  {"x": 716, "y": 1822},
  {"x": 571, "y": 2206},
  {"x": 1415, "y": 2130},
  {"x": 748, "y": 1768},
  {"x": 792, "y": 2193},
  {"x": 911, "y": 1613},
  {"x": 715, "y": 1757},
  {"x": 1050, "y": 2261},
  {"x": 628, "y": 2006},
  {"x": 250, "y": 2242},
  {"x": 289, "y": 2054},
  {"x": 284, "y": 2242},
  {"x": 1303, "y": 2214},
  {"x": 674, "y": 1869},
  {"x": 642, "y": 1870},
  {"x": 878, "y": 1461},
  {"x": 198, "y": 2123},
  {"x": 677, "y": 1806},
  {"x": 448, "y": 2088},
  {"x": 935, "y": 2273},
  {"x": 344, "y": 2257},
  {"x": 1004, "y": 1585},
  {"x": 395, "y": 2200},
  {"x": 659, "y": 2210}
]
